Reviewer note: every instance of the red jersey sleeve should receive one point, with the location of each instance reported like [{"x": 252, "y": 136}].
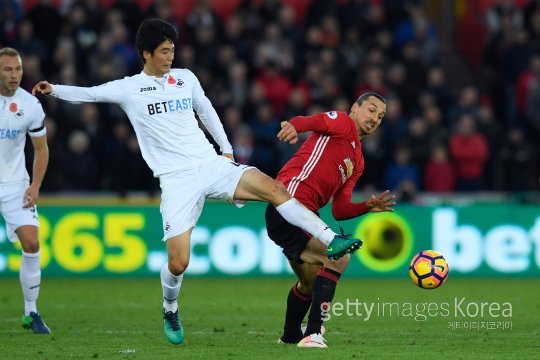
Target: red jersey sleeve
[
  {"x": 331, "y": 123},
  {"x": 342, "y": 207}
]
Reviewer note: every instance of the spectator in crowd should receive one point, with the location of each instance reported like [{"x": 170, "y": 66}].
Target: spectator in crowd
[
  {"x": 503, "y": 9},
  {"x": 470, "y": 152},
  {"x": 418, "y": 141},
  {"x": 265, "y": 127},
  {"x": 27, "y": 42},
  {"x": 436, "y": 129},
  {"x": 277, "y": 87},
  {"x": 519, "y": 157},
  {"x": 491, "y": 129},
  {"x": 467, "y": 104},
  {"x": 528, "y": 95},
  {"x": 437, "y": 86},
  {"x": 439, "y": 176},
  {"x": 81, "y": 165},
  {"x": 243, "y": 144},
  {"x": 402, "y": 170}
]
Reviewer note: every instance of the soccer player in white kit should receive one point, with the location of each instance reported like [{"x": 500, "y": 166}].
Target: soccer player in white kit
[
  {"x": 22, "y": 114},
  {"x": 160, "y": 104}
]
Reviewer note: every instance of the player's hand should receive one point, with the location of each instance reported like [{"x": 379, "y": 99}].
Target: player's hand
[
  {"x": 287, "y": 133},
  {"x": 228, "y": 156},
  {"x": 42, "y": 87},
  {"x": 383, "y": 202},
  {"x": 30, "y": 196}
]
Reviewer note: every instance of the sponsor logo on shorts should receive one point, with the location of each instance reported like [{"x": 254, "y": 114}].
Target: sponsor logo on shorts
[{"x": 167, "y": 227}]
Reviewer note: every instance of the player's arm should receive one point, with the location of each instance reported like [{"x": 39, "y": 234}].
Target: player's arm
[
  {"x": 111, "y": 92},
  {"x": 41, "y": 160},
  {"x": 299, "y": 124},
  {"x": 210, "y": 119},
  {"x": 344, "y": 209}
]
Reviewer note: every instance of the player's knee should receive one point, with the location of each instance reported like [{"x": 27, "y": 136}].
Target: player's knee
[
  {"x": 178, "y": 266},
  {"x": 30, "y": 247},
  {"x": 278, "y": 193}
]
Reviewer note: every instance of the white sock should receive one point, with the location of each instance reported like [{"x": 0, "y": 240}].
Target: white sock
[
  {"x": 30, "y": 276},
  {"x": 171, "y": 288},
  {"x": 297, "y": 214}
]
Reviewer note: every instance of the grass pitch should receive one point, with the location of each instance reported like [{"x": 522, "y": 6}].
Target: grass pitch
[{"x": 237, "y": 318}]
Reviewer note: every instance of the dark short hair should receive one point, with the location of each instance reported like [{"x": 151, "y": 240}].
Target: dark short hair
[
  {"x": 367, "y": 95},
  {"x": 151, "y": 33}
]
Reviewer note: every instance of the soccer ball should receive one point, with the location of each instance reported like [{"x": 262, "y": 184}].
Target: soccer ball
[{"x": 428, "y": 269}]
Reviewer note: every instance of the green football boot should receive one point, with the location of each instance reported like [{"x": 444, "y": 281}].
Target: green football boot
[
  {"x": 173, "y": 328},
  {"x": 35, "y": 323},
  {"x": 341, "y": 245}
]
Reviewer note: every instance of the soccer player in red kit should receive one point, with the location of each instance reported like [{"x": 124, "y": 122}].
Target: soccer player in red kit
[{"x": 326, "y": 166}]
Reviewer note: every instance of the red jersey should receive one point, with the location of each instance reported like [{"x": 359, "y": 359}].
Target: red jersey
[{"x": 327, "y": 165}]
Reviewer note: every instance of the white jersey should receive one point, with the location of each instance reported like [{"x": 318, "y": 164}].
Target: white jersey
[
  {"x": 20, "y": 114},
  {"x": 161, "y": 111}
]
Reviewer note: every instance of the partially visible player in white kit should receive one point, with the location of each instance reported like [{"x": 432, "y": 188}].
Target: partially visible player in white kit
[
  {"x": 160, "y": 103},
  {"x": 22, "y": 114}
]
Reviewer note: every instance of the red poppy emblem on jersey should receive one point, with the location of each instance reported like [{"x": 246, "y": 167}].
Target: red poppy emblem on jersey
[
  {"x": 171, "y": 80},
  {"x": 13, "y": 107}
]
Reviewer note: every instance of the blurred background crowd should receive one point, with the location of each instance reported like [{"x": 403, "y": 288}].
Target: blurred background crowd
[{"x": 463, "y": 112}]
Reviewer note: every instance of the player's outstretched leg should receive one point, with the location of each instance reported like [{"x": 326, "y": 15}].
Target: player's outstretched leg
[
  {"x": 173, "y": 327},
  {"x": 341, "y": 245},
  {"x": 35, "y": 323}
]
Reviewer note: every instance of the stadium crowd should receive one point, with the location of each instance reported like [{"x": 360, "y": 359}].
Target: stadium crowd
[{"x": 268, "y": 61}]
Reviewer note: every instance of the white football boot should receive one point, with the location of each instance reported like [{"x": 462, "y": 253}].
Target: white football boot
[
  {"x": 303, "y": 328},
  {"x": 313, "y": 341}
]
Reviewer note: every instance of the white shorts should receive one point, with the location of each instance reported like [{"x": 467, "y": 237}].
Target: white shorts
[
  {"x": 11, "y": 209},
  {"x": 183, "y": 192}
]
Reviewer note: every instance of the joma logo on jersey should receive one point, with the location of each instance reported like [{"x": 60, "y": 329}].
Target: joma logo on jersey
[
  {"x": 148, "y": 88},
  {"x": 169, "y": 106}
]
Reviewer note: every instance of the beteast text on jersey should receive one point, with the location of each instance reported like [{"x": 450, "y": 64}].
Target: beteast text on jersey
[
  {"x": 9, "y": 134},
  {"x": 169, "y": 106}
]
